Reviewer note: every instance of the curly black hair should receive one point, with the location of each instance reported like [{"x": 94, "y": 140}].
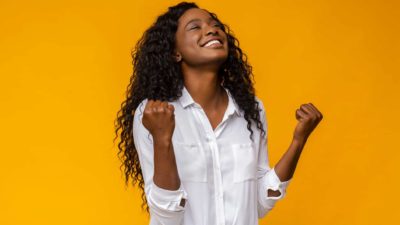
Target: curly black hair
[{"x": 156, "y": 75}]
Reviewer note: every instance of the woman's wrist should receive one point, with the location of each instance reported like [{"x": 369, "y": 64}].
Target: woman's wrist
[
  {"x": 299, "y": 139},
  {"x": 298, "y": 143},
  {"x": 162, "y": 142}
]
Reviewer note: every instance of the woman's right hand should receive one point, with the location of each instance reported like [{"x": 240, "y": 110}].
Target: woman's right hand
[{"x": 159, "y": 119}]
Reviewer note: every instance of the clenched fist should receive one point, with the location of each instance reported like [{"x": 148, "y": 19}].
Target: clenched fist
[
  {"x": 159, "y": 119},
  {"x": 308, "y": 117}
]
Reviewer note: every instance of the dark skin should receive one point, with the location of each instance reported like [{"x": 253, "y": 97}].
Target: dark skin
[{"x": 200, "y": 65}]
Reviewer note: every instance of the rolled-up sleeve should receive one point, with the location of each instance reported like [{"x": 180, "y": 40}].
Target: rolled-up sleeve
[
  {"x": 166, "y": 206},
  {"x": 267, "y": 177}
]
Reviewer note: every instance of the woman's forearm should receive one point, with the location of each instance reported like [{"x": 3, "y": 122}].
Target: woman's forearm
[
  {"x": 309, "y": 117},
  {"x": 165, "y": 170},
  {"x": 287, "y": 164}
]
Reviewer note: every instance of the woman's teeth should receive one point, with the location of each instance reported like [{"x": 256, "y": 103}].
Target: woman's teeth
[{"x": 212, "y": 43}]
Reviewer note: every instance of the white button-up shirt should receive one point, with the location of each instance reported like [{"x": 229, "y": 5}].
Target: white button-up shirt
[{"x": 224, "y": 174}]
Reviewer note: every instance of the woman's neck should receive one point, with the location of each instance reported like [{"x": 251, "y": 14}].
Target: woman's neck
[{"x": 205, "y": 87}]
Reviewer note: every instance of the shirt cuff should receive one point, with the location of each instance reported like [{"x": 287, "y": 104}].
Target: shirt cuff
[
  {"x": 272, "y": 181},
  {"x": 172, "y": 200}
]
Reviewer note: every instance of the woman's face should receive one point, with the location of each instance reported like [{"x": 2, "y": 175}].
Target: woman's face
[{"x": 200, "y": 40}]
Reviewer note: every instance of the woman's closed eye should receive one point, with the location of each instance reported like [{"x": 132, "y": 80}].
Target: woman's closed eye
[
  {"x": 197, "y": 27},
  {"x": 194, "y": 27},
  {"x": 218, "y": 25}
]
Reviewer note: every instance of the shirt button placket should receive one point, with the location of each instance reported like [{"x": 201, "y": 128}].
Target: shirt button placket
[
  {"x": 218, "y": 186},
  {"x": 217, "y": 178}
]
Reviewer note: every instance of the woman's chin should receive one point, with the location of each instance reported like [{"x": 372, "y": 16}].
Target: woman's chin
[{"x": 215, "y": 58}]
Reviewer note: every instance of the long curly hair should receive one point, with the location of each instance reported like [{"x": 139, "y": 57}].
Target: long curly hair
[{"x": 156, "y": 75}]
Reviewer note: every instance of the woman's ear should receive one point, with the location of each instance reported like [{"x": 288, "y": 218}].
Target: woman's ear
[{"x": 178, "y": 57}]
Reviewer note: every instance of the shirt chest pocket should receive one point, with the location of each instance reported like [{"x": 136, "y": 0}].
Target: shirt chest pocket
[
  {"x": 245, "y": 162},
  {"x": 191, "y": 161}
]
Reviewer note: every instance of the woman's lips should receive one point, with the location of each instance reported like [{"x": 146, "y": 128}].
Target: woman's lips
[{"x": 213, "y": 44}]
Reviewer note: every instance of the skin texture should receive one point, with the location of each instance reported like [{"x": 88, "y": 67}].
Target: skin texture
[{"x": 200, "y": 66}]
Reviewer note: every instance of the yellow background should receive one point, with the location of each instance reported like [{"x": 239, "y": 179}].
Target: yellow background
[{"x": 64, "y": 67}]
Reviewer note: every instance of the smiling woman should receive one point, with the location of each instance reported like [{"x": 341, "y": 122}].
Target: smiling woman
[
  {"x": 197, "y": 48},
  {"x": 193, "y": 132}
]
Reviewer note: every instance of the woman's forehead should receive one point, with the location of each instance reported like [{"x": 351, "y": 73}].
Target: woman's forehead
[{"x": 193, "y": 14}]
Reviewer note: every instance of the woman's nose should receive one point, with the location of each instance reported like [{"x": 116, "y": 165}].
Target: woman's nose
[{"x": 211, "y": 30}]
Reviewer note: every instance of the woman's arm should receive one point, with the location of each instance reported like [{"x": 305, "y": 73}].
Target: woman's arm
[
  {"x": 159, "y": 119},
  {"x": 164, "y": 192},
  {"x": 309, "y": 117},
  {"x": 273, "y": 182},
  {"x": 165, "y": 170}
]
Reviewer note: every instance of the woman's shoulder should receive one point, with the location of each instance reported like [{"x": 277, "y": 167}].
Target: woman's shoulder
[{"x": 260, "y": 103}]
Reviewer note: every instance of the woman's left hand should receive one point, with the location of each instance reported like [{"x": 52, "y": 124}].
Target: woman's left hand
[{"x": 309, "y": 117}]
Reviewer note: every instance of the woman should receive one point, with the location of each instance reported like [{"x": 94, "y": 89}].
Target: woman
[{"x": 193, "y": 133}]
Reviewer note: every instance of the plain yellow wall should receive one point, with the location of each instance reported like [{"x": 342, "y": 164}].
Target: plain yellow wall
[{"x": 64, "y": 67}]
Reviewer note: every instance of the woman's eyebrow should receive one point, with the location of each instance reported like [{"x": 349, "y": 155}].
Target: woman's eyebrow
[
  {"x": 190, "y": 21},
  {"x": 197, "y": 19}
]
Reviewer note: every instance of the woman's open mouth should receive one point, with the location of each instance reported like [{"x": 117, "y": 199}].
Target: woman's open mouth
[{"x": 213, "y": 44}]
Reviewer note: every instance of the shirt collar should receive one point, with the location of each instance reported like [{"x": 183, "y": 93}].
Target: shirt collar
[{"x": 186, "y": 100}]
